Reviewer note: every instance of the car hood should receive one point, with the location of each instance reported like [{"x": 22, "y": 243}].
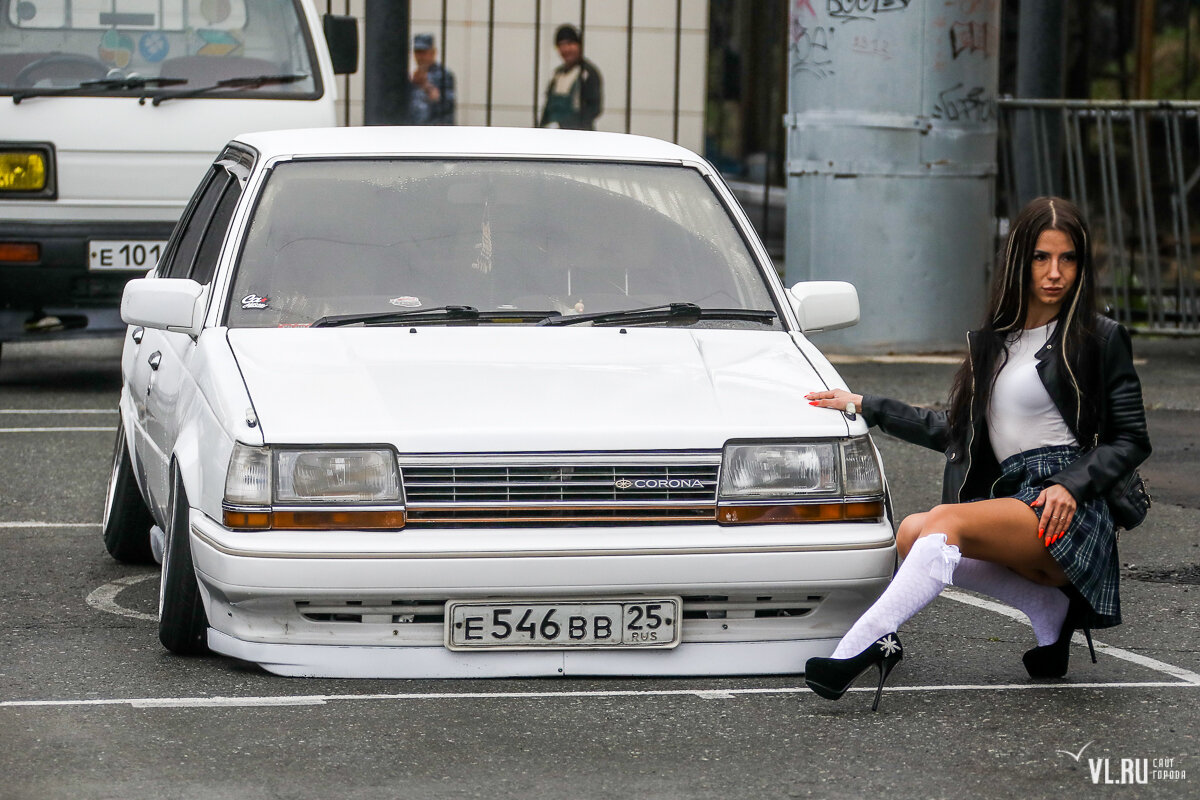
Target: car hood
[{"x": 507, "y": 389}]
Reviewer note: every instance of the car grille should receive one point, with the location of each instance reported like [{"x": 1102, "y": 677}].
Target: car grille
[{"x": 533, "y": 490}]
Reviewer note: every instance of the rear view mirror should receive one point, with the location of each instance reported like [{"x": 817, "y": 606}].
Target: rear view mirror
[
  {"x": 341, "y": 34},
  {"x": 824, "y": 305},
  {"x": 168, "y": 304}
]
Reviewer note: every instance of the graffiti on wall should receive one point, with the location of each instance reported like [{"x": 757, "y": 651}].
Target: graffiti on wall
[
  {"x": 847, "y": 10},
  {"x": 962, "y": 104}
]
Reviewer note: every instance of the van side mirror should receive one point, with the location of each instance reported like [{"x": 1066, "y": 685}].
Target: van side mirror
[
  {"x": 341, "y": 34},
  {"x": 168, "y": 304},
  {"x": 824, "y": 305}
]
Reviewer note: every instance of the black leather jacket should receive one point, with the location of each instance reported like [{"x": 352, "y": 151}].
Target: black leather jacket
[{"x": 1119, "y": 446}]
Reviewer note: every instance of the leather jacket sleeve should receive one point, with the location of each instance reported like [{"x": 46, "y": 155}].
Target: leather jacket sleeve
[
  {"x": 1122, "y": 442},
  {"x": 913, "y": 424}
]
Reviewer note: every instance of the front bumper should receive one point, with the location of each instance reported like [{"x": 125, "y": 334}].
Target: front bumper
[
  {"x": 60, "y": 280},
  {"x": 258, "y": 589}
]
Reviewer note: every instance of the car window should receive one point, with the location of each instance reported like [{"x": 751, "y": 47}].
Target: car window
[
  {"x": 369, "y": 236},
  {"x": 187, "y": 238},
  {"x": 213, "y": 237}
]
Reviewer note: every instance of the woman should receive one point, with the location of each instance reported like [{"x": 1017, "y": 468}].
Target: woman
[{"x": 1045, "y": 415}]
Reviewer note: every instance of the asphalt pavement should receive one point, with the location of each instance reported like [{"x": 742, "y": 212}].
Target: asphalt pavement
[{"x": 92, "y": 707}]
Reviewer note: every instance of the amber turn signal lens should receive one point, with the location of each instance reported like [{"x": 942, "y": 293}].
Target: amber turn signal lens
[
  {"x": 794, "y": 513},
  {"x": 339, "y": 520},
  {"x": 20, "y": 252},
  {"x": 247, "y": 520},
  {"x": 22, "y": 171}
]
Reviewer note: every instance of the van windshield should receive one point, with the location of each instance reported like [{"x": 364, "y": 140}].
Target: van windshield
[{"x": 141, "y": 47}]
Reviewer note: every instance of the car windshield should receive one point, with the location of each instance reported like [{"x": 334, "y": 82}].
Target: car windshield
[
  {"x": 106, "y": 47},
  {"x": 367, "y": 236}
]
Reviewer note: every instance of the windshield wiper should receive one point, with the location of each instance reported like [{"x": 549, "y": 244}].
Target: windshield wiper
[
  {"x": 684, "y": 313},
  {"x": 439, "y": 314},
  {"x": 247, "y": 82},
  {"x": 129, "y": 82}
]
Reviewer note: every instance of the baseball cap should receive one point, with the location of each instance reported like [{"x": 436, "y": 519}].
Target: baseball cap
[
  {"x": 423, "y": 41},
  {"x": 566, "y": 33}
]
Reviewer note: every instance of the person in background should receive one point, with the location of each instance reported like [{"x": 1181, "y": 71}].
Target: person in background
[
  {"x": 432, "y": 99},
  {"x": 575, "y": 96}
]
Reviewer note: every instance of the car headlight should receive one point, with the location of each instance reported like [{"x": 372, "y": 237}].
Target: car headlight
[
  {"x": 798, "y": 481},
  {"x": 295, "y": 488}
]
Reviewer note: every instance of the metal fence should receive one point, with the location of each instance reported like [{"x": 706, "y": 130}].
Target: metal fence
[{"x": 1132, "y": 167}]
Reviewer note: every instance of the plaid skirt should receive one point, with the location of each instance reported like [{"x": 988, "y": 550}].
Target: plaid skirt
[{"x": 1088, "y": 551}]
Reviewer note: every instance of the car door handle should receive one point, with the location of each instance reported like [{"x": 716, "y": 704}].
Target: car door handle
[
  {"x": 155, "y": 359},
  {"x": 137, "y": 334}
]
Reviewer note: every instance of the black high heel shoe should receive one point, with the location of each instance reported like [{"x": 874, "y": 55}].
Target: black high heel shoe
[
  {"x": 831, "y": 677},
  {"x": 1051, "y": 660}
]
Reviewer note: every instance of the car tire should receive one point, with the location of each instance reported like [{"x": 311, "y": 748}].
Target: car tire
[
  {"x": 182, "y": 623},
  {"x": 127, "y": 521}
]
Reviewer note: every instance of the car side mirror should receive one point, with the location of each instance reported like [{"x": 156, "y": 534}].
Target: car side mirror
[
  {"x": 341, "y": 34},
  {"x": 824, "y": 305},
  {"x": 168, "y": 304}
]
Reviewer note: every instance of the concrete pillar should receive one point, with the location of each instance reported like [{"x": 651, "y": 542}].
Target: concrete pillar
[{"x": 891, "y": 163}]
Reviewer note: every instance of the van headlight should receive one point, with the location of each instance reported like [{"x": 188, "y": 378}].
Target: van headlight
[
  {"x": 294, "y": 488},
  {"x": 818, "y": 480}
]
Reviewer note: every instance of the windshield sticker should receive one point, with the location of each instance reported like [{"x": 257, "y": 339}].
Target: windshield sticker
[
  {"x": 154, "y": 46},
  {"x": 255, "y": 301},
  {"x": 406, "y": 302},
  {"x": 217, "y": 43},
  {"x": 116, "y": 49}
]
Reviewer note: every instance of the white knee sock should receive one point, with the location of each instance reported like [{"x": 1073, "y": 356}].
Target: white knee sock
[
  {"x": 1045, "y": 606},
  {"x": 927, "y": 570}
]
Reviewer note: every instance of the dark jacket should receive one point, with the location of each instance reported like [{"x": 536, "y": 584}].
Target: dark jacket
[
  {"x": 587, "y": 105},
  {"x": 1120, "y": 444}
]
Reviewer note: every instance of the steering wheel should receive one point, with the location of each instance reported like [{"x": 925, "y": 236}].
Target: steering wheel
[{"x": 69, "y": 64}]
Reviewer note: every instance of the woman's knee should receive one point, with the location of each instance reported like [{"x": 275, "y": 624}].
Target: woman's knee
[{"x": 908, "y": 533}]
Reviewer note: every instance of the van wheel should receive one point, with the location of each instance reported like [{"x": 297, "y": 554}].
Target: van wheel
[
  {"x": 182, "y": 623},
  {"x": 126, "y": 523}
]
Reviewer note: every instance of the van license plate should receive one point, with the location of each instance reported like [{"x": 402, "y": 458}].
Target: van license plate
[
  {"x": 140, "y": 254},
  {"x": 563, "y": 624}
]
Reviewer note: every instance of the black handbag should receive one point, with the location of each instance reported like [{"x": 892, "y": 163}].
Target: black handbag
[{"x": 1128, "y": 501}]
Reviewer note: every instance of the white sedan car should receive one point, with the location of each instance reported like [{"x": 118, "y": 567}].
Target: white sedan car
[{"x": 466, "y": 402}]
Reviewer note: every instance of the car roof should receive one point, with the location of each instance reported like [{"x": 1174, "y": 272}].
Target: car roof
[{"x": 463, "y": 141}]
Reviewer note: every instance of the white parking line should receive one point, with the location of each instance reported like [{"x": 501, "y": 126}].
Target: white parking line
[
  {"x": 36, "y": 524},
  {"x": 1115, "y": 652},
  {"x": 58, "y": 411},
  {"x": 105, "y": 598},
  {"x": 706, "y": 694},
  {"x": 65, "y": 429}
]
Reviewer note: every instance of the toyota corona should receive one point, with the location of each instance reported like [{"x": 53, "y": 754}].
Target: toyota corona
[{"x": 467, "y": 402}]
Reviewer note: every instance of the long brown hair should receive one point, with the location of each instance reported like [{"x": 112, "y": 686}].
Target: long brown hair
[{"x": 1008, "y": 305}]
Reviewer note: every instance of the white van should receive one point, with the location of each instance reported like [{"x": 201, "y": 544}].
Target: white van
[{"x": 110, "y": 113}]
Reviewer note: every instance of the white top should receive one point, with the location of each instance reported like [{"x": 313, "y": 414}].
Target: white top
[{"x": 1021, "y": 415}]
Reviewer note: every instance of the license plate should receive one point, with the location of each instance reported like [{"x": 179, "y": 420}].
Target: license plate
[
  {"x": 141, "y": 254},
  {"x": 623, "y": 623}
]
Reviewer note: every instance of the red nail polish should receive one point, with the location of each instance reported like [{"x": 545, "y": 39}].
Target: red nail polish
[
  {"x": 1041, "y": 532},
  {"x": 813, "y": 403}
]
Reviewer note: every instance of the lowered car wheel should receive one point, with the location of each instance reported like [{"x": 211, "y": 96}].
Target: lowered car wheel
[
  {"x": 127, "y": 521},
  {"x": 182, "y": 623}
]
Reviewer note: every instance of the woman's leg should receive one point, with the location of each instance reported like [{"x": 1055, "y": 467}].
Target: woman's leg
[
  {"x": 1029, "y": 590},
  {"x": 1002, "y": 531}
]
